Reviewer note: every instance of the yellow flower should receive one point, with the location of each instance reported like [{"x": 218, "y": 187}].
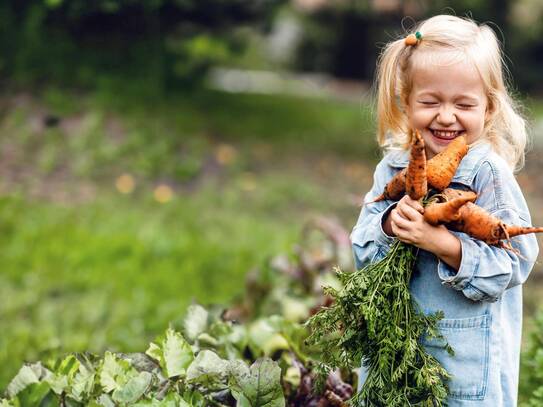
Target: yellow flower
[
  {"x": 125, "y": 184},
  {"x": 225, "y": 154},
  {"x": 163, "y": 193}
]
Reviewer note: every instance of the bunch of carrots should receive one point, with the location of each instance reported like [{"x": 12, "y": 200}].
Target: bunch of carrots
[
  {"x": 373, "y": 318},
  {"x": 454, "y": 208}
]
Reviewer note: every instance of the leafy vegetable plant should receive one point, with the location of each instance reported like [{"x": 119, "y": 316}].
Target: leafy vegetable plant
[
  {"x": 208, "y": 370},
  {"x": 374, "y": 320}
]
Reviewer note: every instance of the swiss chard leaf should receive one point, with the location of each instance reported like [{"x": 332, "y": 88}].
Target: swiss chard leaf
[
  {"x": 173, "y": 353},
  {"x": 115, "y": 372},
  {"x": 27, "y": 375},
  {"x": 259, "y": 385},
  {"x": 208, "y": 370},
  {"x": 133, "y": 389},
  {"x": 195, "y": 322}
]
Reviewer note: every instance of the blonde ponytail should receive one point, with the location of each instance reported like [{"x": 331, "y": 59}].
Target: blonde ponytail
[
  {"x": 461, "y": 38},
  {"x": 391, "y": 119}
]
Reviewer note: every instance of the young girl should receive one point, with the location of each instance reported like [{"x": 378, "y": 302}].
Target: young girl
[{"x": 447, "y": 82}]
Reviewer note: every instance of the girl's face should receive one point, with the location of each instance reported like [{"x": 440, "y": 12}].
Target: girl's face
[{"x": 445, "y": 102}]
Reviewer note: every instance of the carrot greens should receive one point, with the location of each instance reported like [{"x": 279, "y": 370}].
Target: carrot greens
[{"x": 374, "y": 320}]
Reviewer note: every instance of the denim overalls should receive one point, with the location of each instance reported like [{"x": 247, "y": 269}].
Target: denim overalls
[{"x": 482, "y": 302}]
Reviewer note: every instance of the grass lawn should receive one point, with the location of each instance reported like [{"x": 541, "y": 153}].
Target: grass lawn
[
  {"x": 114, "y": 272},
  {"x": 85, "y": 267}
]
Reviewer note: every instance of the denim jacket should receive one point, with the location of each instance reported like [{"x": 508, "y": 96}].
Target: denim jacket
[{"x": 482, "y": 301}]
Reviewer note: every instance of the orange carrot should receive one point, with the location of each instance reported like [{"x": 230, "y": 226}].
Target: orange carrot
[
  {"x": 478, "y": 223},
  {"x": 415, "y": 178},
  {"x": 442, "y": 167},
  {"x": 461, "y": 214},
  {"x": 446, "y": 212},
  {"x": 451, "y": 193},
  {"x": 439, "y": 171},
  {"x": 395, "y": 188}
]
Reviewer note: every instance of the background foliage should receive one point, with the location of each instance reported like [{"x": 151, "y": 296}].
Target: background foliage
[
  {"x": 172, "y": 43},
  {"x": 128, "y": 187}
]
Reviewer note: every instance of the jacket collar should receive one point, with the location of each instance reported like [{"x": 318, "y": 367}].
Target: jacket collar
[{"x": 467, "y": 169}]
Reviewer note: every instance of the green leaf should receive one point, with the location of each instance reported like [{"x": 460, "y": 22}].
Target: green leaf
[
  {"x": 27, "y": 375},
  {"x": 53, "y": 3},
  {"x": 33, "y": 394},
  {"x": 58, "y": 383},
  {"x": 207, "y": 340},
  {"x": 174, "y": 355},
  {"x": 259, "y": 385},
  {"x": 82, "y": 383},
  {"x": 208, "y": 370},
  {"x": 155, "y": 352},
  {"x": 105, "y": 401},
  {"x": 296, "y": 309},
  {"x": 63, "y": 374},
  {"x": 195, "y": 322},
  {"x": 293, "y": 376},
  {"x": 264, "y": 338},
  {"x": 115, "y": 372},
  {"x": 68, "y": 366},
  {"x": 68, "y": 402},
  {"x": 133, "y": 389},
  {"x": 171, "y": 400},
  {"x": 177, "y": 354}
]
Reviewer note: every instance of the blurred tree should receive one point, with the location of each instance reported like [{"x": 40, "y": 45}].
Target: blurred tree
[
  {"x": 525, "y": 45},
  {"x": 163, "y": 42},
  {"x": 343, "y": 37},
  {"x": 340, "y": 38}
]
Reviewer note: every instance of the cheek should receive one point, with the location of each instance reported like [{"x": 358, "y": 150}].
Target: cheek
[
  {"x": 477, "y": 121},
  {"x": 417, "y": 118}
]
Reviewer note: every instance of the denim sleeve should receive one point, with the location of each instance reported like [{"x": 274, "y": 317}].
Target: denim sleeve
[
  {"x": 486, "y": 271},
  {"x": 368, "y": 237}
]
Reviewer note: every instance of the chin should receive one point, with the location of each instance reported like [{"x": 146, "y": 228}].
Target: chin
[{"x": 432, "y": 149}]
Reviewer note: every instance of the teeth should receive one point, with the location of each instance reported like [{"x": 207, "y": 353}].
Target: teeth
[{"x": 445, "y": 134}]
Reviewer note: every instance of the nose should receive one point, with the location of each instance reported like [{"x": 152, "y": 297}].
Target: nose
[{"x": 446, "y": 115}]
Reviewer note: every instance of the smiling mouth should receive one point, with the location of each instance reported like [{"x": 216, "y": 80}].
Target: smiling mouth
[{"x": 446, "y": 134}]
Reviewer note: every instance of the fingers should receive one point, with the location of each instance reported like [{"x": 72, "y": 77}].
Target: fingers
[
  {"x": 408, "y": 213},
  {"x": 410, "y": 209},
  {"x": 398, "y": 220},
  {"x": 416, "y": 205},
  {"x": 400, "y": 232},
  {"x": 406, "y": 220}
]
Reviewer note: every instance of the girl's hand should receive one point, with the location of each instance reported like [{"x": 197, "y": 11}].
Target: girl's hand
[{"x": 408, "y": 224}]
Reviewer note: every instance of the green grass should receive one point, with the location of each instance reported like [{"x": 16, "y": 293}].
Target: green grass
[
  {"x": 302, "y": 124},
  {"x": 111, "y": 270},
  {"x": 103, "y": 134},
  {"x": 112, "y": 273}
]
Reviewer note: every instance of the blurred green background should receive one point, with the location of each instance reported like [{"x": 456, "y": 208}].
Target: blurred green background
[{"x": 153, "y": 152}]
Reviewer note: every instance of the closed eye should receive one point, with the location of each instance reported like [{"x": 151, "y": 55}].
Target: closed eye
[
  {"x": 427, "y": 103},
  {"x": 465, "y": 106}
]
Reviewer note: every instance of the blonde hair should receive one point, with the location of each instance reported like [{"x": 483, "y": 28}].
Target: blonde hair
[{"x": 461, "y": 38}]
